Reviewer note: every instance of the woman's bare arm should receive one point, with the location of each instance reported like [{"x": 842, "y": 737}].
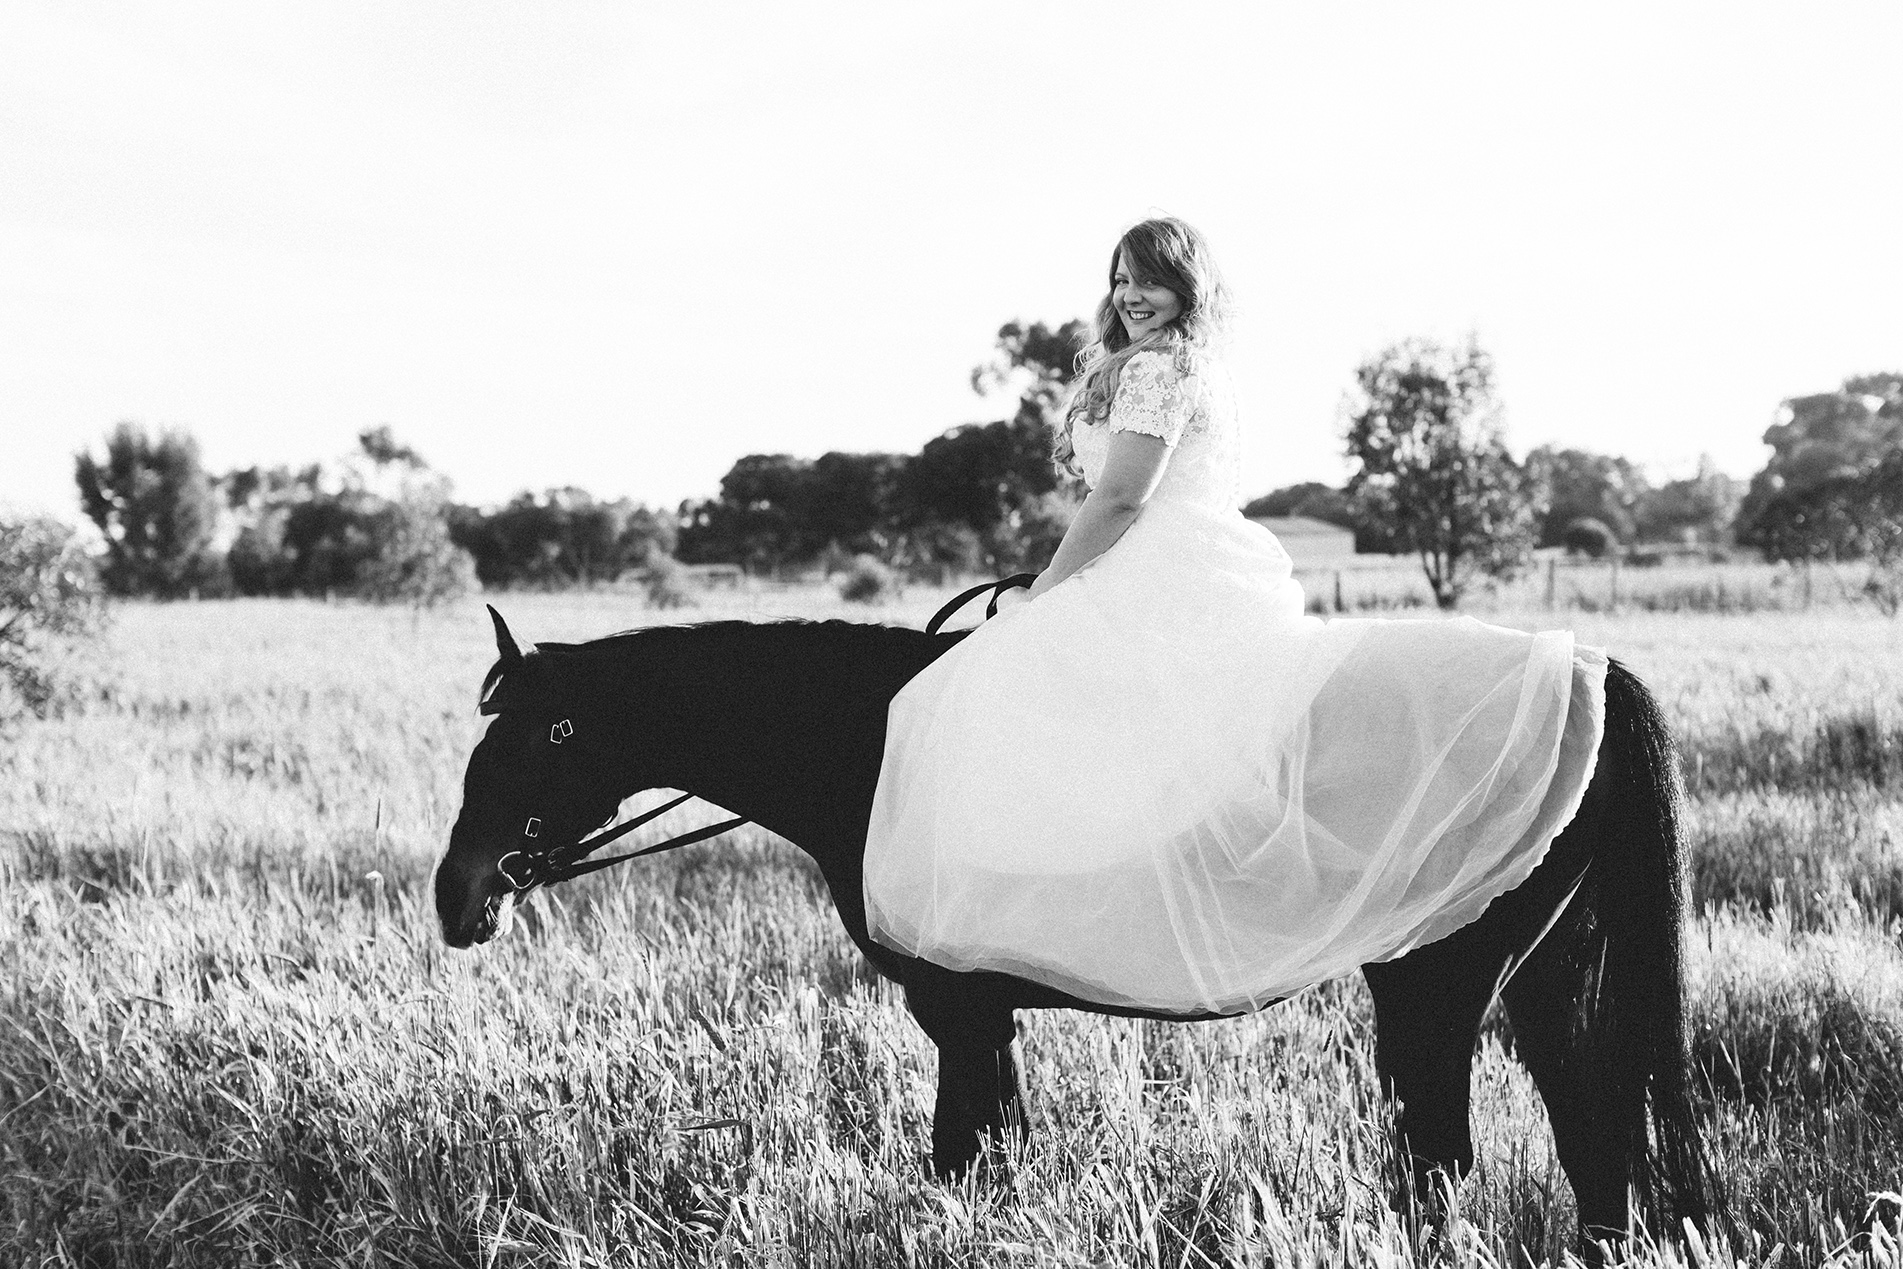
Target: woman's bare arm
[{"x": 1130, "y": 472}]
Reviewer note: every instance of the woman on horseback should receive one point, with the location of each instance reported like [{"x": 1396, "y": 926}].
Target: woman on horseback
[{"x": 1159, "y": 783}]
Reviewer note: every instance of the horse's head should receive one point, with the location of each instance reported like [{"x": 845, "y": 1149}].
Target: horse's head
[{"x": 536, "y": 780}]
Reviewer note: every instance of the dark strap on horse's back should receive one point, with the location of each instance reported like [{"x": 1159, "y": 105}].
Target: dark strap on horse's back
[{"x": 1017, "y": 581}]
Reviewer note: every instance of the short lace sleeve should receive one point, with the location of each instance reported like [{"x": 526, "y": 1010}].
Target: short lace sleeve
[{"x": 1153, "y": 397}]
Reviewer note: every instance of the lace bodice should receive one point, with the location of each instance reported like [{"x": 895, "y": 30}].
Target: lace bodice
[{"x": 1192, "y": 410}]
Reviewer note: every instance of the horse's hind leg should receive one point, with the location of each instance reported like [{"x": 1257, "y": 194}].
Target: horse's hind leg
[
  {"x": 1592, "y": 1111},
  {"x": 980, "y": 1083},
  {"x": 1428, "y": 1006}
]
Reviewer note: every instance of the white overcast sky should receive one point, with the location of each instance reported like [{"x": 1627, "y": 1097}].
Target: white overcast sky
[{"x": 620, "y": 245}]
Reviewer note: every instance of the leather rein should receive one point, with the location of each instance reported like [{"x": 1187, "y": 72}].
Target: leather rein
[
  {"x": 529, "y": 866},
  {"x": 1017, "y": 581}
]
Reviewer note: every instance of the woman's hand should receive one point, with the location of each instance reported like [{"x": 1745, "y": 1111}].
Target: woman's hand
[
  {"x": 1015, "y": 596},
  {"x": 1130, "y": 474}
]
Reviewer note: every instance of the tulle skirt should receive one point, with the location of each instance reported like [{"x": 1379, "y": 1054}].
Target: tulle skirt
[{"x": 1162, "y": 785}]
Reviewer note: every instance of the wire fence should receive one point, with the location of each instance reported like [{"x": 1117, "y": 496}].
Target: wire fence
[{"x": 1373, "y": 584}]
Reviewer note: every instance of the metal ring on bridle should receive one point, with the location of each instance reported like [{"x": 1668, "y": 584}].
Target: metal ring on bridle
[{"x": 524, "y": 863}]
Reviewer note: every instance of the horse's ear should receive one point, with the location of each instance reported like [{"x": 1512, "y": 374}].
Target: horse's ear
[
  {"x": 505, "y": 642},
  {"x": 509, "y": 659}
]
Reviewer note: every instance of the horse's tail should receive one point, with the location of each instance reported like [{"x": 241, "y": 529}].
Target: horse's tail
[{"x": 1639, "y": 1004}]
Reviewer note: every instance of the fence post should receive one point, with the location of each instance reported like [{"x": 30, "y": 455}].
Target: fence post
[
  {"x": 1615, "y": 583},
  {"x": 1551, "y": 564},
  {"x": 1337, "y": 590}
]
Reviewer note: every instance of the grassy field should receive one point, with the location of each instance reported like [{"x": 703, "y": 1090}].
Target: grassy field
[{"x": 230, "y": 1035}]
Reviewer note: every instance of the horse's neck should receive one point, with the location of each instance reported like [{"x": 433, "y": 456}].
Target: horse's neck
[{"x": 783, "y": 724}]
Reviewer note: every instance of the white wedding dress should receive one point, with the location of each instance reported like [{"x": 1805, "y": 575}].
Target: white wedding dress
[{"x": 1161, "y": 784}]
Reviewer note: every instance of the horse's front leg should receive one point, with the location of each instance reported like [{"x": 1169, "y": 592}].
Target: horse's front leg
[{"x": 980, "y": 1068}]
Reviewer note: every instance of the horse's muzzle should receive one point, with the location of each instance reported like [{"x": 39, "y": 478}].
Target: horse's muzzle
[{"x": 491, "y": 917}]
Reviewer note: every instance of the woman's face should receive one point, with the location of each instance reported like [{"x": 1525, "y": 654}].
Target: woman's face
[{"x": 1144, "y": 306}]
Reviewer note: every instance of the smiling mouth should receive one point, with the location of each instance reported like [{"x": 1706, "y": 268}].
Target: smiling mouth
[{"x": 1139, "y": 314}]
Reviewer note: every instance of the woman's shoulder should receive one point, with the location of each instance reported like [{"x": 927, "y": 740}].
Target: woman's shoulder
[
  {"x": 1166, "y": 363},
  {"x": 1172, "y": 364}
]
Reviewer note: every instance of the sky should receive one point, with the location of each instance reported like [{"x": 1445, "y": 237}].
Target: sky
[{"x": 618, "y": 246}]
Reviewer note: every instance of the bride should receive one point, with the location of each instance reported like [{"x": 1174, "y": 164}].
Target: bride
[{"x": 1158, "y": 782}]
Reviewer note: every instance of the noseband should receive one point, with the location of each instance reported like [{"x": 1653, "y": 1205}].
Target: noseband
[{"x": 529, "y": 866}]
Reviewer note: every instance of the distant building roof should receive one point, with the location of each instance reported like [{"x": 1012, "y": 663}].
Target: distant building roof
[{"x": 1302, "y": 527}]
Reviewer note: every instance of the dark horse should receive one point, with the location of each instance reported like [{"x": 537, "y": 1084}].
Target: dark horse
[{"x": 784, "y": 724}]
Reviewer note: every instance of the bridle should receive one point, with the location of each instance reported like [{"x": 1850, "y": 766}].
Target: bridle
[{"x": 529, "y": 866}]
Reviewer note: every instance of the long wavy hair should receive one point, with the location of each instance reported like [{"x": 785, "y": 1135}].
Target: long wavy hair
[{"x": 1162, "y": 251}]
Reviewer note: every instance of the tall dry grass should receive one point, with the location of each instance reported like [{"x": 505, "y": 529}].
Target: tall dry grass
[{"x": 229, "y": 1033}]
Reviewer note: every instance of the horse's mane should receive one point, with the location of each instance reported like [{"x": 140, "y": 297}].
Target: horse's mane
[
  {"x": 832, "y": 634},
  {"x": 852, "y": 656}
]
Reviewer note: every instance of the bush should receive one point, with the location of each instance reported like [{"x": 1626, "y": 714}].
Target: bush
[
  {"x": 665, "y": 580},
  {"x": 415, "y": 562},
  {"x": 1884, "y": 587},
  {"x": 1587, "y": 536},
  {"x": 49, "y": 603},
  {"x": 868, "y": 582}
]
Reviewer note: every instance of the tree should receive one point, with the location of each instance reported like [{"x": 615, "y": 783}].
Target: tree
[
  {"x": 292, "y": 531},
  {"x": 1328, "y": 504},
  {"x": 975, "y": 495},
  {"x": 415, "y": 561},
  {"x": 851, "y": 500},
  {"x": 1886, "y": 386},
  {"x": 380, "y": 446},
  {"x": 152, "y": 501},
  {"x": 1812, "y": 498},
  {"x": 1581, "y": 485},
  {"x": 49, "y": 600},
  {"x": 1043, "y": 359},
  {"x": 412, "y": 559},
  {"x": 938, "y": 552},
  {"x": 379, "y": 531},
  {"x": 301, "y": 532},
  {"x": 756, "y": 519},
  {"x": 1883, "y": 532},
  {"x": 565, "y": 537},
  {"x": 976, "y": 474},
  {"x": 1432, "y": 468},
  {"x": 1699, "y": 508}
]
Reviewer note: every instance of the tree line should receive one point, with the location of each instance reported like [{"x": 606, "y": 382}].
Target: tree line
[
  {"x": 1423, "y": 429},
  {"x": 980, "y": 498},
  {"x": 1433, "y": 477},
  {"x": 380, "y": 526}
]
